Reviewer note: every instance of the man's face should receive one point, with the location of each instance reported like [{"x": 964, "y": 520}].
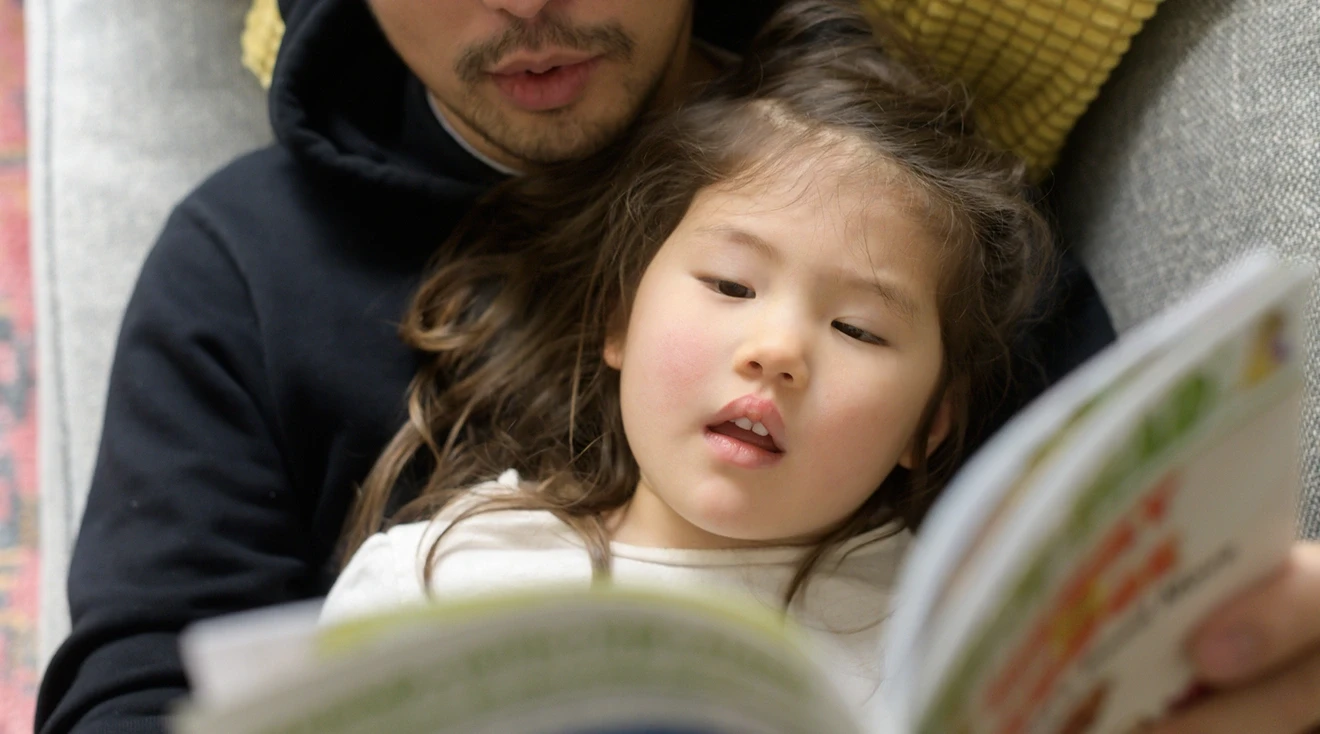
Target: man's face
[{"x": 536, "y": 81}]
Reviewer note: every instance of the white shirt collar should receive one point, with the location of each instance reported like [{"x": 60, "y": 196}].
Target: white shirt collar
[{"x": 463, "y": 143}]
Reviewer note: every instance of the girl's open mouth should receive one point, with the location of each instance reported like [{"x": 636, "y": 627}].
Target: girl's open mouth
[
  {"x": 741, "y": 446},
  {"x": 733, "y": 429}
]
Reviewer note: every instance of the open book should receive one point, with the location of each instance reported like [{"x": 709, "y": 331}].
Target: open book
[{"x": 1050, "y": 591}]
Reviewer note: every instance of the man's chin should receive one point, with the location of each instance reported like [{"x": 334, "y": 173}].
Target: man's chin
[{"x": 544, "y": 144}]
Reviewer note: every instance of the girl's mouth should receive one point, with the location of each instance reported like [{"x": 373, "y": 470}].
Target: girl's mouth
[
  {"x": 747, "y": 433},
  {"x": 742, "y": 447}
]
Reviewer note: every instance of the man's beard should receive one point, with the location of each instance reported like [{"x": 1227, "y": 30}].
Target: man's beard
[{"x": 556, "y": 135}]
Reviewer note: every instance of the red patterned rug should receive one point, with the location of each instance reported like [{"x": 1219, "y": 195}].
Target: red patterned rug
[{"x": 18, "y": 420}]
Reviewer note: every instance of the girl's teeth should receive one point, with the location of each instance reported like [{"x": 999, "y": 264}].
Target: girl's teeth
[{"x": 746, "y": 424}]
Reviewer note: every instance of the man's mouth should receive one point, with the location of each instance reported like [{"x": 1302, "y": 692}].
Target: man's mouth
[
  {"x": 544, "y": 84},
  {"x": 523, "y": 62}
]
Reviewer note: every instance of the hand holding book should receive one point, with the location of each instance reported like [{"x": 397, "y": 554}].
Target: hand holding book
[{"x": 1262, "y": 652}]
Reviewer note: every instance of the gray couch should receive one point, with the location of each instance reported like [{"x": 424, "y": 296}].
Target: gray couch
[
  {"x": 131, "y": 103},
  {"x": 1206, "y": 143}
]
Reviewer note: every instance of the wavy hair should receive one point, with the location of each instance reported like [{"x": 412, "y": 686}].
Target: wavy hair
[{"x": 513, "y": 317}]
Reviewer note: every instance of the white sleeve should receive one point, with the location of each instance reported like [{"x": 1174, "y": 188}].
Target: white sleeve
[{"x": 380, "y": 575}]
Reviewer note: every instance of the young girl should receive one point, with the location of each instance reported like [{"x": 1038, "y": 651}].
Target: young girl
[{"x": 742, "y": 349}]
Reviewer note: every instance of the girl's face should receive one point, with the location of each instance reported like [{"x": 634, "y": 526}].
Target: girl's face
[{"x": 779, "y": 354}]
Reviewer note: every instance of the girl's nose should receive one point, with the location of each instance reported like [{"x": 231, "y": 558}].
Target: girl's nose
[
  {"x": 525, "y": 9},
  {"x": 777, "y": 357}
]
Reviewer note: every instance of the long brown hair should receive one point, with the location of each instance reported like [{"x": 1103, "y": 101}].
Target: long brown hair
[{"x": 513, "y": 317}]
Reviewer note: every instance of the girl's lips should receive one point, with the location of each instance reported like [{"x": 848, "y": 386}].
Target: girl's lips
[
  {"x": 557, "y": 87},
  {"x": 758, "y": 410},
  {"x": 739, "y": 452},
  {"x": 732, "y": 430}
]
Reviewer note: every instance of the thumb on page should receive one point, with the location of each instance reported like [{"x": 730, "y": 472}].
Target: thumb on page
[{"x": 1272, "y": 623}]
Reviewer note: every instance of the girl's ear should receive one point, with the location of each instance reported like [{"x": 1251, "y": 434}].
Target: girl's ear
[
  {"x": 940, "y": 426},
  {"x": 614, "y": 351},
  {"x": 615, "y": 340}
]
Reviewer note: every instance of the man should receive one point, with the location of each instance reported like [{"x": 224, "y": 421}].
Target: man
[{"x": 258, "y": 372}]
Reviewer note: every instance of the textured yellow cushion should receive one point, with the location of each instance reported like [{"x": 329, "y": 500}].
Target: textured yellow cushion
[
  {"x": 1033, "y": 65},
  {"x": 261, "y": 39}
]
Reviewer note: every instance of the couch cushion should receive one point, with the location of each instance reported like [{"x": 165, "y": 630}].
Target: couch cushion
[
  {"x": 1204, "y": 145},
  {"x": 131, "y": 103}
]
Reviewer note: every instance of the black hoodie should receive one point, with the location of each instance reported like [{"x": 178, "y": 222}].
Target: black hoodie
[{"x": 258, "y": 371}]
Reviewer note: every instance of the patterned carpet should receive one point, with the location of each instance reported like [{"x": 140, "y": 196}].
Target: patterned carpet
[{"x": 18, "y": 420}]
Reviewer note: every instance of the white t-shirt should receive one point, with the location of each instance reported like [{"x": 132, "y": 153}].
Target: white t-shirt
[{"x": 843, "y": 606}]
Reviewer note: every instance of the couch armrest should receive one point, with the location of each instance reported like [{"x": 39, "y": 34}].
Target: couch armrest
[
  {"x": 1205, "y": 144},
  {"x": 130, "y": 104}
]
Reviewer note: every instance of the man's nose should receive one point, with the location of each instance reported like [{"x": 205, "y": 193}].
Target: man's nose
[
  {"x": 776, "y": 356},
  {"x": 525, "y": 9}
]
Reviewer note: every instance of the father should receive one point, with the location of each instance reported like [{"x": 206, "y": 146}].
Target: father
[{"x": 258, "y": 371}]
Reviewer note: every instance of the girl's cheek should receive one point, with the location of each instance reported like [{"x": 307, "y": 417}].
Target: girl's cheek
[
  {"x": 861, "y": 417},
  {"x": 681, "y": 358}
]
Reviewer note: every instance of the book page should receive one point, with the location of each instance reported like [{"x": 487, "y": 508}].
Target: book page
[
  {"x": 971, "y": 518},
  {"x": 551, "y": 661},
  {"x": 1185, "y": 494}
]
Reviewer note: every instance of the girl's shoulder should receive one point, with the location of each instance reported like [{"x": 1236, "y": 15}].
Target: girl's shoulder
[
  {"x": 408, "y": 540},
  {"x": 507, "y": 484},
  {"x": 873, "y": 558},
  {"x": 405, "y": 540},
  {"x": 387, "y": 570}
]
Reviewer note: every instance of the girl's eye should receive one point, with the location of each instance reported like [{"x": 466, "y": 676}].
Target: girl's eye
[
  {"x": 729, "y": 288},
  {"x": 860, "y": 335}
]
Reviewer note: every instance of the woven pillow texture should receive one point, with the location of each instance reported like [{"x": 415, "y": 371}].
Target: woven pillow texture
[{"x": 1033, "y": 65}]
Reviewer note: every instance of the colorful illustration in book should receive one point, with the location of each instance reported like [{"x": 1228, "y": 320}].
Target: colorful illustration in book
[
  {"x": 1129, "y": 561},
  {"x": 1269, "y": 349},
  {"x": 1003, "y": 510}
]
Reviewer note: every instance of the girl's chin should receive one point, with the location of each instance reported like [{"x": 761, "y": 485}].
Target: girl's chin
[
  {"x": 728, "y": 523},
  {"x": 712, "y": 511}
]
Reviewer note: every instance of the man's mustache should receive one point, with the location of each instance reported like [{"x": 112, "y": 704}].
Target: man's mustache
[{"x": 607, "y": 39}]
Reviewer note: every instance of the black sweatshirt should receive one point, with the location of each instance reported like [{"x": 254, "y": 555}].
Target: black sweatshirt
[{"x": 259, "y": 372}]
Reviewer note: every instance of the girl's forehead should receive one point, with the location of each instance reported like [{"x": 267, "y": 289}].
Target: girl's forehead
[
  {"x": 815, "y": 207},
  {"x": 819, "y": 187},
  {"x": 839, "y": 169}
]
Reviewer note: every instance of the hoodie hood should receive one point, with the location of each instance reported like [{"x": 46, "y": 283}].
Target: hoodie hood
[
  {"x": 343, "y": 103},
  {"x": 339, "y": 103}
]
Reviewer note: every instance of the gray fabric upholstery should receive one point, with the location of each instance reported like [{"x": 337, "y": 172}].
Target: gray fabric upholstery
[
  {"x": 1204, "y": 145},
  {"x": 131, "y": 103}
]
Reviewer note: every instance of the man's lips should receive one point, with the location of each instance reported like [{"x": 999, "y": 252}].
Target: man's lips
[
  {"x": 540, "y": 63},
  {"x": 546, "y": 83}
]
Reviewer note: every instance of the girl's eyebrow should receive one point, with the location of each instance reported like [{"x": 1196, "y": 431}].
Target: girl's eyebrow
[
  {"x": 738, "y": 236},
  {"x": 891, "y": 293}
]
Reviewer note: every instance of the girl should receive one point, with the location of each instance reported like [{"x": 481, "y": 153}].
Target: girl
[{"x": 741, "y": 349}]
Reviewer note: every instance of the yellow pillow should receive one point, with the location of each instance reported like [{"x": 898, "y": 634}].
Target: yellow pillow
[
  {"x": 1033, "y": 65},
  {"x": 262, "y": 32}
]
